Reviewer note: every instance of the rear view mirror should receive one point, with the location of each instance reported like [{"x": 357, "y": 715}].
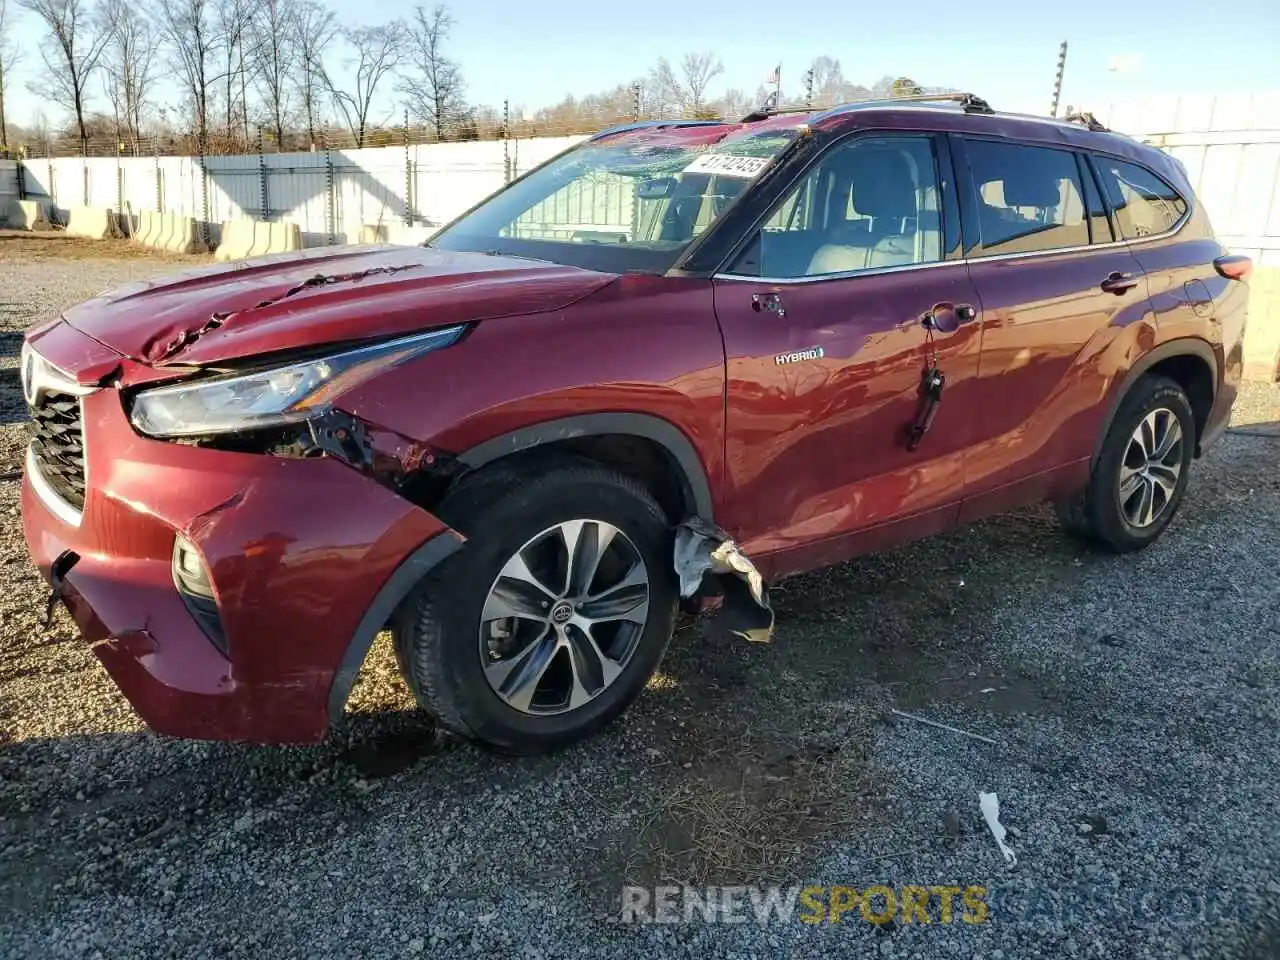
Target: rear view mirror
[{"x": 656, "y": 189}]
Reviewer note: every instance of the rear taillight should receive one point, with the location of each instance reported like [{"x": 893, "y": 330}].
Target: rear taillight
[{"x": 1233, "y": 266}]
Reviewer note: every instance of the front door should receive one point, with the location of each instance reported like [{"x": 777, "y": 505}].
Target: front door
[{"x": 826, "y": 343}]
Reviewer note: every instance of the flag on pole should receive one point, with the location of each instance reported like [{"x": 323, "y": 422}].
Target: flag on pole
[{"x": 774, "y": 77}]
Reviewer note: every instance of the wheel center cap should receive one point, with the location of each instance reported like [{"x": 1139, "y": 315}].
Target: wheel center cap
[{"x": 562, "y": 613}]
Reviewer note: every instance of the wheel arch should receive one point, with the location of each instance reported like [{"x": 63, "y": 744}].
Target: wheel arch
[
  {"x": 1188, "y": 361},
  {"x": 625, "y": 441}
]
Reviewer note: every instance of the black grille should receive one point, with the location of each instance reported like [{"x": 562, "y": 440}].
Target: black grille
[{"x": 57, "y": 440}]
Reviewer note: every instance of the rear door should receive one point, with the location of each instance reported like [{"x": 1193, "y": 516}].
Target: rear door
[
  {"x": 1055, "y": 286},
  {"x": 825, "y": 350}
]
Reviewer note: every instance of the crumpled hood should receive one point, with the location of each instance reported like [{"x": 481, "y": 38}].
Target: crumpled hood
[{"x": 229, "y": 311}]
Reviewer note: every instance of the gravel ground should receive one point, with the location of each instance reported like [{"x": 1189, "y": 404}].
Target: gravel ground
[{"x": 1134, "y": 704}]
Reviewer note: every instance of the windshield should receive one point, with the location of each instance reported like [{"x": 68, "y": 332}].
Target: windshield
[{"x": 628, "y": 205}]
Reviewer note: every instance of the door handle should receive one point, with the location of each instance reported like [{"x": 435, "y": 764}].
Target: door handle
[
  {"x": 1119, "y": 283},
  {"x": 768, "y": 301},
  {"x": 939, "y": 319}
]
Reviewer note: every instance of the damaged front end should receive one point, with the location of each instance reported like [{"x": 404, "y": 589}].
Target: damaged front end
[{"x": 288, "y": 410}]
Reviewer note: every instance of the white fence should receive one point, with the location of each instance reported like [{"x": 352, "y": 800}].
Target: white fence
[
  {"x": 330, "y": 195},
  {"x": 8, "y": 185},
  {"x": 1230, "y": 145}
]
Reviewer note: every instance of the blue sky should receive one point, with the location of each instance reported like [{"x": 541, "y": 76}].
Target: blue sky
[{"x": 1004, "y": 50}]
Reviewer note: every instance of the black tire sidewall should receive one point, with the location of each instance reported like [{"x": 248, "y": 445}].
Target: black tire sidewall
[
  {"x": 1106, "y": 517},
  {"x": 506, "y": 525}
]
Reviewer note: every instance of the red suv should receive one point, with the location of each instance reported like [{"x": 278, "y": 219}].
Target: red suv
[{"x": 812, "y": 335}]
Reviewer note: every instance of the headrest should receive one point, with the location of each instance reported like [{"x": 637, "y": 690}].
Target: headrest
[
  {"x": 882, "y": 184},
  {"x": 1031, "y": 192}
]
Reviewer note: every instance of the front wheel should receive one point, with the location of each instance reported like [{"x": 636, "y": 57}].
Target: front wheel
[
  {"x": 548, "y": 623},
  {"x": 1140, "y": 477}
]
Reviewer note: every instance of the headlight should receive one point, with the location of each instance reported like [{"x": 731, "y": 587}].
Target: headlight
[{"x": 272, "y": 396}]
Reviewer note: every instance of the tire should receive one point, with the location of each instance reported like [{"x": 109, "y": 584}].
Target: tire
[
  {"x": 449, "y": 649},
  {"x": 1100, "y": 513}
]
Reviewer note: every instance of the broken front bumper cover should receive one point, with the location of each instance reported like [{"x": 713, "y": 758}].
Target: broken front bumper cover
[
  {"x": 716, "y": 575},
  {"x": 307, "y": 558}
]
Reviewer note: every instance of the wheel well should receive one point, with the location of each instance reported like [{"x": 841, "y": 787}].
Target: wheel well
[
  {"x": 642, "y": 459},
  {"x": 1196, "y": 379}
]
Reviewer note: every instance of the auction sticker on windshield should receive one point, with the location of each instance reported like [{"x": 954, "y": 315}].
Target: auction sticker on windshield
[{"x": 728, "y": 165}]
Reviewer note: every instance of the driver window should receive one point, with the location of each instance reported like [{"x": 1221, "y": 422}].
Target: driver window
[{"x": 864, "y": 206}]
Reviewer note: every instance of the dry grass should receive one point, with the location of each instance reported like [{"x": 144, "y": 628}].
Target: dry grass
[
  {"x": 45, "y": 246},
  {"x": 750, "y": 811}
]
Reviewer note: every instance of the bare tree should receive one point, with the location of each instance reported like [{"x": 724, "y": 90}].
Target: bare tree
[
  {"x": 664, "y": 94},
  {"x": 127, "y": 63},
  {"x": 670, "y": 92},
  {"x": 699, "y": 70},
  {"x": 10, "y": 54},
  {"x": 232, "y": 24},
  {"x": 274, "y": 53},
  {"x": 313, "y": 32},
  {"x": 194, "y": 44},
  {"x": 376, "y": 53},
  {"x": 70, "y": 53},
  {"x": 434, "y": 90}
]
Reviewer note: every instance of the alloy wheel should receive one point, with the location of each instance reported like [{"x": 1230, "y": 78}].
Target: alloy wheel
[
  {"x": 1151, "y": 467},
  {"x": 564, "y": 617}
]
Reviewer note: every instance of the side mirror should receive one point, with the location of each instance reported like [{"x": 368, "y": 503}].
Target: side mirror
[{"x": 656, "y": 189}]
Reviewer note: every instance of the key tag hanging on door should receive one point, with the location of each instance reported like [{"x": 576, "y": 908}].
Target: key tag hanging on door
[{"x": 932, "y": 380}]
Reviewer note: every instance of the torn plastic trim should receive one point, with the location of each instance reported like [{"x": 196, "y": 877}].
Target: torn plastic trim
[
  {"x": 58, "y": 571},
  {"x": 715, "y": 574}
]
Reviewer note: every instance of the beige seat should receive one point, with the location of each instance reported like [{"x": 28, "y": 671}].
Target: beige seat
[{"x": 884, "y": 191}]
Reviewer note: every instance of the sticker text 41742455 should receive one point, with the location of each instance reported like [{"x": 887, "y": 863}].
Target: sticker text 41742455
[{"x": 727, "y": 165}]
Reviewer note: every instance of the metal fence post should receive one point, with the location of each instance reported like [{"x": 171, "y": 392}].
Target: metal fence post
[
  {"x": 262, "y": 179},
  {"x": 1057, "y": 82},
  {"x": 408, "y": 176},
  {"x": 330, "y": 210},
  {"x": 204, "y": 198},
  {"x": 120, "y": 217},
  {"x": 159, "y": 188},
  {"x": 506, "y": 141}
]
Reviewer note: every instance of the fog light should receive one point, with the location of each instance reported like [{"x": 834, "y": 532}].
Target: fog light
[
  {"x": 189, "y": 570},
  {"x": 191, "y": 577}
]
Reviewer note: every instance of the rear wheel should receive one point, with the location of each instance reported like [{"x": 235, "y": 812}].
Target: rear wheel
[
  {"x": 547, "y": 624},
  {"x": 1140, "y": 476}
]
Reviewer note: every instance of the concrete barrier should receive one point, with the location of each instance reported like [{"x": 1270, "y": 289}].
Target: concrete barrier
[
  {"x": 1262, "y": 337},
  {"x": 237, "y": 240},
  {"x": 255, "y": 238},
  {"x": 148, "y": 227},
  {"x": 29, "y": 215},
  {"x": 183, "y": 237},
  {"x": 95, "y": 223}
]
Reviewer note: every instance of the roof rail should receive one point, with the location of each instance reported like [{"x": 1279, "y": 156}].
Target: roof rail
[
  {"x": 1086, "y": 118},
  {"x": 653, "y": 125},
  {"x": 757, "y": 115},
  {"x": 968, "y": 102}
]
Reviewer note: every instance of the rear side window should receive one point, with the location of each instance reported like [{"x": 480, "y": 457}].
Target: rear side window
[
  {"x": 1143, "y": 203},
  {"x": 1029, "y": 198}
]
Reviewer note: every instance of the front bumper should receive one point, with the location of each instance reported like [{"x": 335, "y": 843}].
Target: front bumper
[{"x": 306, "y": 558}]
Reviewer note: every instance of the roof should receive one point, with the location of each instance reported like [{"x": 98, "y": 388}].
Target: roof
[{"x": 953, "y": 113}]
